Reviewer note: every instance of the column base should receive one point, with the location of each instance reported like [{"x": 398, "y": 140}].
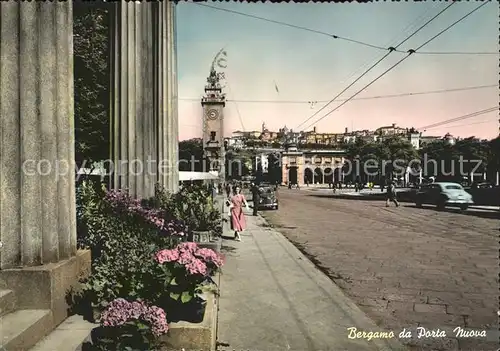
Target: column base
[{"x": 45, "y": 287}]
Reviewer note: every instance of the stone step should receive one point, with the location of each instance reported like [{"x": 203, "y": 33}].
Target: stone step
[
  {"x": 7, "y": 302},
  {"x": 68, "y": 336},
  {"x": 21, "y": 329}
]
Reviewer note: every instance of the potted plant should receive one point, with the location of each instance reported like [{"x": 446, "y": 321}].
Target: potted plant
[
  {"x": 129, "y": 325},
  {"x": 186, "y": 271},
  {"x": 196, "y": 207}
]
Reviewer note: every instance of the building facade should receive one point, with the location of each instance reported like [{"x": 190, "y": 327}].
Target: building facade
[{"x": 312, "y": 166}]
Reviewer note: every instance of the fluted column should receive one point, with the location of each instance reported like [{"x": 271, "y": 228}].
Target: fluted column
[
  {"x": 174, "y": 117},
  {"x": 142, "y": 112},
  {"x": 37, "y": 180},
  {"x": 168, "y": 150}
]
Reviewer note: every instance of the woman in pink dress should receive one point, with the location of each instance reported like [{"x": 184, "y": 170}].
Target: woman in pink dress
[{"x": 236, "y": 204}]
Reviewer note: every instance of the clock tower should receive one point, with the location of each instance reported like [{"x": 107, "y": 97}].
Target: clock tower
[{"x": 213, "y": 104}]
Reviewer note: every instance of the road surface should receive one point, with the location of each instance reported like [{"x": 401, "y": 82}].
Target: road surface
[{"x": 405, "y": 267}]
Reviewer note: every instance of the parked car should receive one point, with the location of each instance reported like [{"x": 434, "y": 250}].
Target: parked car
[
  {"x": 482, "y": 185},
  {"x": 442, "y": 194},
  {"x": 268, "y": 200}
]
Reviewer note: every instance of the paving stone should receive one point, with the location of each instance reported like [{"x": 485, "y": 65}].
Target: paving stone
[
  {"x": 434, "y": 344},
  {"x": 405, "y": 298},
  {"x": 482, "y": 321},
  {"x": 423, "y": 256},
  {"x": 429, "y": 308},
  {"x": 477, "y": 345},
  {"x": 400, "y": 306}
]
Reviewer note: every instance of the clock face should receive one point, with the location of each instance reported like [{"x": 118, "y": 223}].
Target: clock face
[{"x": 212, "y": 114}]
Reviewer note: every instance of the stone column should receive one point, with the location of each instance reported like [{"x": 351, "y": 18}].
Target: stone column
[
  {"x": 37, "y": 180},
  {"x": 174, "y": 117},
  {"x": 167, "y": 109},
  {"x": 143, "y": 113}
]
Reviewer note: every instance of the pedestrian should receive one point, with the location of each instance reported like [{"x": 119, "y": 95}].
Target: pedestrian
[
  {"x": 214, "y": 191},
  {"x": 255, "y": 198},
  {"x": 391, "y": 195},
  {"x": 228, "y": 190},
  {"x": 236, "y": 212},
  {"x": 334, "y": 186}
]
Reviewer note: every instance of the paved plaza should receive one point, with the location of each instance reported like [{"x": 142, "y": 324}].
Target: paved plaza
[{"x": 404, "y": 267}]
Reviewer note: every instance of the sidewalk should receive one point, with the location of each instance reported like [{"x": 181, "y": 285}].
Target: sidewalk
[{"x": 273, "y": 298}]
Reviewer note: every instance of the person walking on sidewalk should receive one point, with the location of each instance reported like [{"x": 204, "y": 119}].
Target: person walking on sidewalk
[
  {"x": 238, "y": 220},
  {"x": 228, "y": 190},
  {"x": 255, "y": 198},
  {"x": 391, "y": 194}
]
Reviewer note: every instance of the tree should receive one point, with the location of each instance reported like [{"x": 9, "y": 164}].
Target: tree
[
  {"x": 494, "y": 156},
  {"x": 387, "y": 157},
  {"x": 91, "y": 79},
  {"x": 400, "y": 152},
  {"x": 452, "y": 162},
  {"x": 474, "y": 153},
  {"x": 191, "y": 155},
  {"x": 238, "y": 164},
  {"x": 274, "y": 168}
]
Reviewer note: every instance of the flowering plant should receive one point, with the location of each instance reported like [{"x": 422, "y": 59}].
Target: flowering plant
[
  {"x": 131, "y": 325},
  {"x": 186, "y": 267},
  {"x": 166, "y": 224},
  {"x": 123, "y": 238}
]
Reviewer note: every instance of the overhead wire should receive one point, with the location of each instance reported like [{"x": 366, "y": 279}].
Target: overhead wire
[
  {"x": 417, "y": 93},
  {"x": 376, "y": 64},
  {"x": 390, "y": 43},
  {"x": 467, "y": 124},
  {"x": 334, "y": 36},
  {"x": 460, "y": 118},
  {"x": 410, "y": 52}
]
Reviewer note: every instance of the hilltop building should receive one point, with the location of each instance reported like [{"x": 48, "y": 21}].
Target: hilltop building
[{"x": 313, "y": 137}]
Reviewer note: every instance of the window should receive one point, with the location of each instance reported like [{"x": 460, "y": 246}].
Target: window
[
  {"x": 453, "y": 187},
  {"x": 212, "y": 136}
]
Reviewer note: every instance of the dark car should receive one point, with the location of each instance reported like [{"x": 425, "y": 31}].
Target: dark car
[
  {"x": 482, "y": 185},
  {"x": 442, "y": 194},
  {"x": 268, "y": 200}
]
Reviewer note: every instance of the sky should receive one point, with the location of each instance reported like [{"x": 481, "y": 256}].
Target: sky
[{"x": 280, "y": 69}]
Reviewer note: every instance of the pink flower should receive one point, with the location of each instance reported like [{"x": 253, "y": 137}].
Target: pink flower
[
  {"x": 185, "y": 257},
  {"x": 120, "y": 311},
  {"x": 167, "y": 256},
  {"x": 116, "y": 313},
  {"x": 196, "y": 266},
  {"x": 210, "y": 256},
  {"x": 157, "y": 318},
  {"x": 188, "y": 247}
]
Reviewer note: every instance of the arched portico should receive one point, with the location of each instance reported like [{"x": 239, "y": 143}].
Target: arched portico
[
  {"x": 338, "y": 174},
  {"x": 328, "y": 175},
  {"x": 318, "y": 176},
  {"x": 293, "y": 175},
  {"x": 308, "y": 176}
]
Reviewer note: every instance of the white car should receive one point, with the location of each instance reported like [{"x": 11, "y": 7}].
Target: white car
[{"x": 442, "y": 194}]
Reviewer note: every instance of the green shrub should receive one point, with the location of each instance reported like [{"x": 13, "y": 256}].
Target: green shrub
[
  {"x": 123, "y": 240},
  {"x": 195, "y": 206}
]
